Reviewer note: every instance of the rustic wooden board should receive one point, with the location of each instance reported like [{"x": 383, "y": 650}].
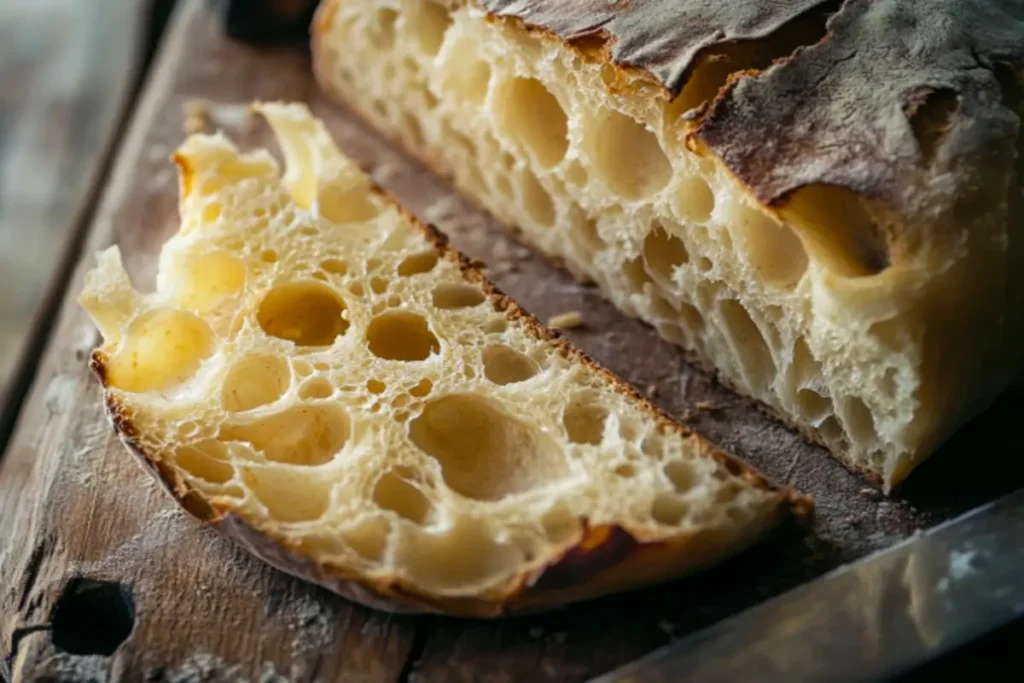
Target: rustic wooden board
[
  {"x": 74, "y": 505},
  {"x": 66, "y": 69}
]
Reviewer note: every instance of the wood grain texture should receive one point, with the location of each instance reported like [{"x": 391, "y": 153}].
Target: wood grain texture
[
  {"x": 66, "y": 69},
  {"x": 73, "y": 504}
]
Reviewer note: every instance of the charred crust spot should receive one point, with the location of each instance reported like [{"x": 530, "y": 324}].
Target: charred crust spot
[{"x": 601, "y": 548}]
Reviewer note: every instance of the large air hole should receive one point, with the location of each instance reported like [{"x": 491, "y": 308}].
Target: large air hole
[
  {"x": 485, "y": 453},
  {"x": 208, "y": 279},
  {"x": 302, "y": 435},
  {"x": 160, "y": 349},
  {"x": 859, "y": 422},
  {"x": 382, "y": 33},
  {"x": 536, "y": 199},
  {"x": 465, "y": 74},
  {"x": 837, "y": 230},
  {"x": 812, "y": 406},
  {"x": 806, "y": 367},
  {"x": 368, "y": 538},
  {"x": 254, "y": 381},
  {"x": 585, "y": 236},
  {"x": 748, "y": 344},
  {"x": 206, "y": 461},
  {"x": 682, "y": 475},
  {"x": 529, "y": 113},
  {"x": 584, "y": 419},
  {"x": 401, "y": 335},
  {"x": 627, "y": 156},
  {"x": 504, "y": 365},
  {"x": 415, "y": 264},
  {"x": 636, "y": 275},
  {"x": 316, "y": 389},
  {"x": 288, "y": 495},
  {"x": 693, "y": 199},
  {"x": 668, "y": 509},
  {"x": 773, "y": 249},
  {"x": 560, "y": 524},
  {"x": 395, "y": 492},
  {"x": 457, "y": 295},
  {"x": 428, "y": 22},
  {"x": 307, "y": 313},
  {"x": 664, "y": 252},
  {"x": 465, "y": 554}
]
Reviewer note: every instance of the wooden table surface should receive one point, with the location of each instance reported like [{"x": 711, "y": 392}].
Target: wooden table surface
[{"x": 103, "y": 579}]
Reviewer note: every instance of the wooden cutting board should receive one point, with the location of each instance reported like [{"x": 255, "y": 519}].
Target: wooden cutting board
[{"x": 102, "y": 578}]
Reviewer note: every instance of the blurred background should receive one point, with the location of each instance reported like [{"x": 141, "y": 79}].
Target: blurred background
[{"x": 69, "y": 71}]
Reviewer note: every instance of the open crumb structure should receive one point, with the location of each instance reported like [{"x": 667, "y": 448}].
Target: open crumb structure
[
  {"x": 817, "y": 217},
  {"x": 321, "y": 376}
]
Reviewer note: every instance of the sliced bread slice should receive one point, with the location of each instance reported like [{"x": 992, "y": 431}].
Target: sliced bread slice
[{"x": 323, "y": 378}]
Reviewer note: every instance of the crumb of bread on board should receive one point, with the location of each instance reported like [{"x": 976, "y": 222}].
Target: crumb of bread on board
[{"x": 566, "y": 321}]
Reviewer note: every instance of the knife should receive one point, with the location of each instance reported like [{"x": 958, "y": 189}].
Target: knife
[{"x": 871, "y": 620}]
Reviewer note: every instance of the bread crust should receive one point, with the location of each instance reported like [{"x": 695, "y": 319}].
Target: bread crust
[{"x": 598, "y": 561}]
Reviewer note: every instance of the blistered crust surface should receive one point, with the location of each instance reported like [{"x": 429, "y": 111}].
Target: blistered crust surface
[
  {"x": 897, "y": 95},
  {"x": 663, "y": 37}
]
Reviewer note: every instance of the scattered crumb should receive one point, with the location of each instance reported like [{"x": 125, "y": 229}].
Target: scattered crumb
[
  {"x": 652, "y": 391},
  {"x": 850, "y": 520},
  {"x": 869, "y": 492},
  {"x": 536, "y": 632},
  {"x": 520, "y": 253},
  {"x": 707, "y": 406},
  {"x": 197, "y": 116},
  {"x": 566, "y": 321}
]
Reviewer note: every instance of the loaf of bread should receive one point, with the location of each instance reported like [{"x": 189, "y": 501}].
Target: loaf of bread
[
  {"x": 324, "y": 379},
  {"x": 819, "y": 200}
]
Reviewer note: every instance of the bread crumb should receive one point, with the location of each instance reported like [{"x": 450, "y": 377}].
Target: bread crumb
[
  {"x": 705, "y": 405},
  {"x": 869, "y": 492},
  {"x": 565, "y": 321},
  {"x": 197, "y": 116},
  {"x": 652, "y": 391}
]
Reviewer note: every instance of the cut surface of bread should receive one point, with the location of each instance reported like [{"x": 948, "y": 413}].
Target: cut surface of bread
[
  {"x": 828, "y": 223},
  {"x": 319, "y": 375}
]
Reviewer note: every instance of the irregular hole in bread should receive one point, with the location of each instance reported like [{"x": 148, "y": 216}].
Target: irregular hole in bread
[
  {"x": 160, "y": 349},
  {"x": 306, "y": 435},
  {"x": 414, "y": 264},
  {"x": 932, "y": 113},
  {"x": 669, "y": 509},
  {"x": 532, "y": 116},
  {"x": 382, "y": 31},
  {"x": 681, "y": 474},
  {"x": 771, "y": 248},
  {"x": 208, "y": 279},
  {"x": 394, "y": 491},
  {"x": 428, "y": 21},
  {"x": 450, "y": 295},
  {"x": 636, "y": 275},
  {"x": 206, "y": 461},
  {"x": 378, "y": 285},
  {"x": 560, "y": 524},
  {"x": 465, "y": 555},
  {"x": 693, "y": 199},
  {"x": 584, "y": 418},
  {"x": 375, "y": 386},
  {"x": 316, "y": 388},
  {"x": 421, "y": 389},
  {"x": 306, "y": 313},
  {"x": 536, "y": 200},
  {"x": 626, "y": 155},
  {"x": 401, "y": 335},
  {"x": 465, "y": 74},
  {"x": 342, "y": 204},
  {"x": 254, "y": 381},
  {"x": 837, "y": 230},
  {"x": 663, "y": 253},
  {"x": 334, "y": 266},
  {"x": 858, "y": 419},
  {"x": 288, "y": 495},
  {"x": 748, "y": 343},
  {"x": 484, "y": 452},
  {"x": 368, "y": 537},
  {"x": 812, "y": 406},
  {"x": 505, "y": 365}
]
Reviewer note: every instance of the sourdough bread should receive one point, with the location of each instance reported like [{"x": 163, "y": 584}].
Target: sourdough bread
[
  {"x": 325, "y": 380},
  {"x": 819, "y": 200}
]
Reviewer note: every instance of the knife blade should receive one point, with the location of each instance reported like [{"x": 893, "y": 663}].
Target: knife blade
[{"x": 871, "y": 620}]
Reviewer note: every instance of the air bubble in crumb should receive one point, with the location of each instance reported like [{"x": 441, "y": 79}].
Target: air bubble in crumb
[{"x": 566, "y": 321}]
